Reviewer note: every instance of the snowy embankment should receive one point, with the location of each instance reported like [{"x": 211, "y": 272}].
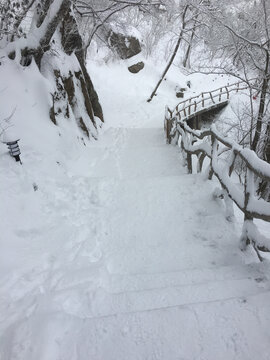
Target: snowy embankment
[{"x": 110, "y": 250}]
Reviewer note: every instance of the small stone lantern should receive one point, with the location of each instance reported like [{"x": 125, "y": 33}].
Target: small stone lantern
[{"x": 12, "y": 142}]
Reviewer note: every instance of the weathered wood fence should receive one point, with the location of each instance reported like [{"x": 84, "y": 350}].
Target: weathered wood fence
[{"x": 223, "y": 154}]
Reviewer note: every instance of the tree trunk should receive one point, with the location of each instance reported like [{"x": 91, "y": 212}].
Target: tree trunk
[
  {"x": 74, "y": 92},
  {"x": 261, "y": 106},
  {"x": 187, "y": 55},
  {"x": 173, "y": 55},
  {"x": 97, "y": 109},
  {"x": 49, "y": 29}
]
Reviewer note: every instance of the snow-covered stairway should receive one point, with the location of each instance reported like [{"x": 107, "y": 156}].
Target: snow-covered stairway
[
  {"x": 166, "y": 279},
  {"x": 174, "y": 283}
]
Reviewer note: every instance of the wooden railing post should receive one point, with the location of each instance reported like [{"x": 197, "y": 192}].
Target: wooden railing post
[
  {"x": 214, "y": 149},
  {"x": 168, "y": 124},
  {"x": 185, "y": 114},
  {"x": 250, "y": 209},
  {"x": 249, "y": 191},
  {"x": 220, "y": 93},
  {"x": 189, "y": 162},
  {"x": 201, "y": 158},
  {"x": 202, "y": 100},
  {"x": 211, "y": 96},
  {"x": 228, "y": 93}
]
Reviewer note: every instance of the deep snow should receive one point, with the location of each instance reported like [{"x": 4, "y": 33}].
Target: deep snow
[{"x": 111, "y": 250}]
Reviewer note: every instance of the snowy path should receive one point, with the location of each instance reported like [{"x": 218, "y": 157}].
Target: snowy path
[{"x": 143, "y": 265}]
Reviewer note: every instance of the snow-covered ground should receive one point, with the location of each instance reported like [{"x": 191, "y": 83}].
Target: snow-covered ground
[{"x": 111, "y": 250}]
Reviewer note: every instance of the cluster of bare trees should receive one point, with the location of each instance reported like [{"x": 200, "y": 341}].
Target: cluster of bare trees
[
  {"x": 232, "y": 38},
  {"x": 239, "y": 39},
  {"x": 237, "y": 35}
]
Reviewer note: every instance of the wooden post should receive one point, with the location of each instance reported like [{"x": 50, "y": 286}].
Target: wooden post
[
  {"x": 202, "y": 100},
  {"x": 211, "y": 97},
  {"x": 249, "y": 189},
  {"x": 168, "y": 133},
  {"x": 219, "y": 98},
  {"x": 168, "y": 124},
  {"x": 201, "y": 158},
  {"x": 214, "y": 151},
  {"x": 185, "y": 114},
  {"x": 189, "y": 162},
  {"x": 165, "y": 122},
  {"x": 228, "y": 94},
  {"x": 197, "y": 121}
]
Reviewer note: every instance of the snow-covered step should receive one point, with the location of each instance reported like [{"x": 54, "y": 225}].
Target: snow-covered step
[
  {"x": 114, "y": 283},
  {"x": 117, "y": 283},
  {"x": 232, "y": 329},
  {"x": 101, "y": 303}
]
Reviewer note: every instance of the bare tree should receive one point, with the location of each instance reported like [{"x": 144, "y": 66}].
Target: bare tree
[
  {"x": 239, "y": 39},
  {"x": 180, "y": 37}
]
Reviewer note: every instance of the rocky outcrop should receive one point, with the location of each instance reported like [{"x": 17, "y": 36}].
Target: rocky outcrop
[
  {"x": 125, "y": 46},
  {"x": 179, "y": 91},
  {"x": 134, "y": 69},
  {"x": 74, "y": 94}
]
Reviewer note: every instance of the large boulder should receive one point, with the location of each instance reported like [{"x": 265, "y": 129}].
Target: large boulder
[
  {"x": 136, "y": 67},
  {"x": 126, "y": 46}
]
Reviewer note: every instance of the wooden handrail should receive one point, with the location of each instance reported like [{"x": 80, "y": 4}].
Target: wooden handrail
[
  {"x": 245, "y": 199},
  {"x": 204, "y": 99},
  {"x": 218, "y": 89},
  {"x": 187, "y": 138}
]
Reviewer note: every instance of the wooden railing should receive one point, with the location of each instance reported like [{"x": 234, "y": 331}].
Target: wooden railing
[
  {"x": 223, "y": 154},
  {"x": 206, "y": 100}
]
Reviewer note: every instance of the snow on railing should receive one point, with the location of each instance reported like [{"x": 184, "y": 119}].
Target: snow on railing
[
  {"x": 195, "y": 142},
  {"x": 206, "y": 100}
]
